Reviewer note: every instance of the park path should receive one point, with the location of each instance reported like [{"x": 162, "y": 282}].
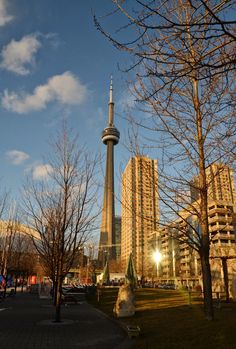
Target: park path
[{"x": 26, "y": 323}]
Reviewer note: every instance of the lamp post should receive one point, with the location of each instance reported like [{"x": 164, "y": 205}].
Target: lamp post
[{"x": 157, "y": 256}]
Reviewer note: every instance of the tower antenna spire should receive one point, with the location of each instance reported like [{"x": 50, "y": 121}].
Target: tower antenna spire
[
  {"x": 111, "y": 91},
  {"x": 111, "y": 105}
]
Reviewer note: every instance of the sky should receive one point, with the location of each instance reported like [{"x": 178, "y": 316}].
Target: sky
[{"x": 55, "y": 65}]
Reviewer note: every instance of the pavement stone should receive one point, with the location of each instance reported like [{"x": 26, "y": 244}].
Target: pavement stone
[{"x": 26, "y": 322}]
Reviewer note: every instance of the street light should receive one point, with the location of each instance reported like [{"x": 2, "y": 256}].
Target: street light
[{"x": 157, "y": 256}]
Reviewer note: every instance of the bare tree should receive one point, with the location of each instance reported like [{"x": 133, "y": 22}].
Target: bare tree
[
  {"x": 61, "y": 209},
  {"x": 7, "y": 234},
  {"x": 209, "y": 22},
  {"x": 16, "y": 249},
  {"x": 7, "y": 239},
  {"x": 4, "y": 201},
  {"x": 185, "y": 86},
  {"x": 22, "y": 262}
]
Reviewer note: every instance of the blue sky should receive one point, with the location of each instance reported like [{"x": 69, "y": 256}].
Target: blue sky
[{"x": 54, "y": 65}]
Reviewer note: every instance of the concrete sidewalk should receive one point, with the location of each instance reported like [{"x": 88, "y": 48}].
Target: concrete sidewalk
[{"x": 26, "y": 322}]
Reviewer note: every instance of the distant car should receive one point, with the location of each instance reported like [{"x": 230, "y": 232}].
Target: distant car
[
  {"x": 73, "y": 294},
  {"x": 74, "y": 289},
  {"x": 167, "y": 286},
  {"x": 148, "y": 285}
]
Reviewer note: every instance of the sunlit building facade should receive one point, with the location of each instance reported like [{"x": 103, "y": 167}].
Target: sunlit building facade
[
  {"x": 180, "y": 263},
  {"x": 220, "y": 181},
  {"x": 140, "y": 211}
]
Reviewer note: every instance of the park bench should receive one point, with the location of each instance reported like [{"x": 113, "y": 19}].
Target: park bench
[
  {"x": 133, "y": 331},
  {"x": 73, "y": 297}
]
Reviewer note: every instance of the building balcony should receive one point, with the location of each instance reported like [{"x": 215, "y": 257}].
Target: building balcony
[
  {"x": 218, "y": 210},
  {"x": 185, "y": 268},
  {"x": 220, "y": 220},
  {"x": 184, "y": 252},
  {"x": 226, "y": 236},
  {"x": 164, "y": 244},
  {"x": 225, "y": 228},
  {"x": 165, "y": 263}
]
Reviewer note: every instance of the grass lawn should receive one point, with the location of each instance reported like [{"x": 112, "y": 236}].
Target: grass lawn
[{"x": 168, "y": 321}]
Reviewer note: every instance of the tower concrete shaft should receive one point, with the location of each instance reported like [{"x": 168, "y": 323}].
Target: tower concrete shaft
[{"x": 110, "y": 137}]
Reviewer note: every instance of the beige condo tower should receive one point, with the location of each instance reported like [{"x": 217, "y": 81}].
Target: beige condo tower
[{"x": 140, "y": 211}]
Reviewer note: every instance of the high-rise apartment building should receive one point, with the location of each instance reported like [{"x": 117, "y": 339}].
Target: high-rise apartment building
[
  {"x": 140, "y": 211},
  {"x": 180, "y": 263},
  {"x": 221, "y": 202},
  {"x": 220, "y": 181}
]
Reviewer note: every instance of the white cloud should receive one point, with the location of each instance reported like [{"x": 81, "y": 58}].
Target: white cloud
[
  {"x": 4, "y": 17},
  {"x": 65, "y": 89},
  {"x": 41, "y": 171},
  {"x": 19, "y": 56},
  {"x": 16, "y": 157},
  {"x": 126, "y": 101}
]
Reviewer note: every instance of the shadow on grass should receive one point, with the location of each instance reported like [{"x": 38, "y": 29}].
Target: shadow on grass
[
  {"x": 184, "y": 327},
  {"x": 168, "y": 321}
]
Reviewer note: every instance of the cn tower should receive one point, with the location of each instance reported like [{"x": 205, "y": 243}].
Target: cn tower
[{"x": 110, "y": 137}]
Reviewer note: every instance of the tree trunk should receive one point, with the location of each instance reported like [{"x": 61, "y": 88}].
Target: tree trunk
[
  {"x": 207, "y": 287},
  {"x": 59, "y": 286},
  {"x": 54, "y": 294},
  {"x": 5, "y": 286},
  {"x": 226, "y": 277},
  {"x": 203, "y": 216},
  {"x": 58, "y": 301}
]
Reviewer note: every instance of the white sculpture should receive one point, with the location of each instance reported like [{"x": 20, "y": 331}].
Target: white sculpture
[{"x": 124, "y": 306}]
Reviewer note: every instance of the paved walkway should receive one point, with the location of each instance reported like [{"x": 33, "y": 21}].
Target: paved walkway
[{"x": 25, "y": 323}]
